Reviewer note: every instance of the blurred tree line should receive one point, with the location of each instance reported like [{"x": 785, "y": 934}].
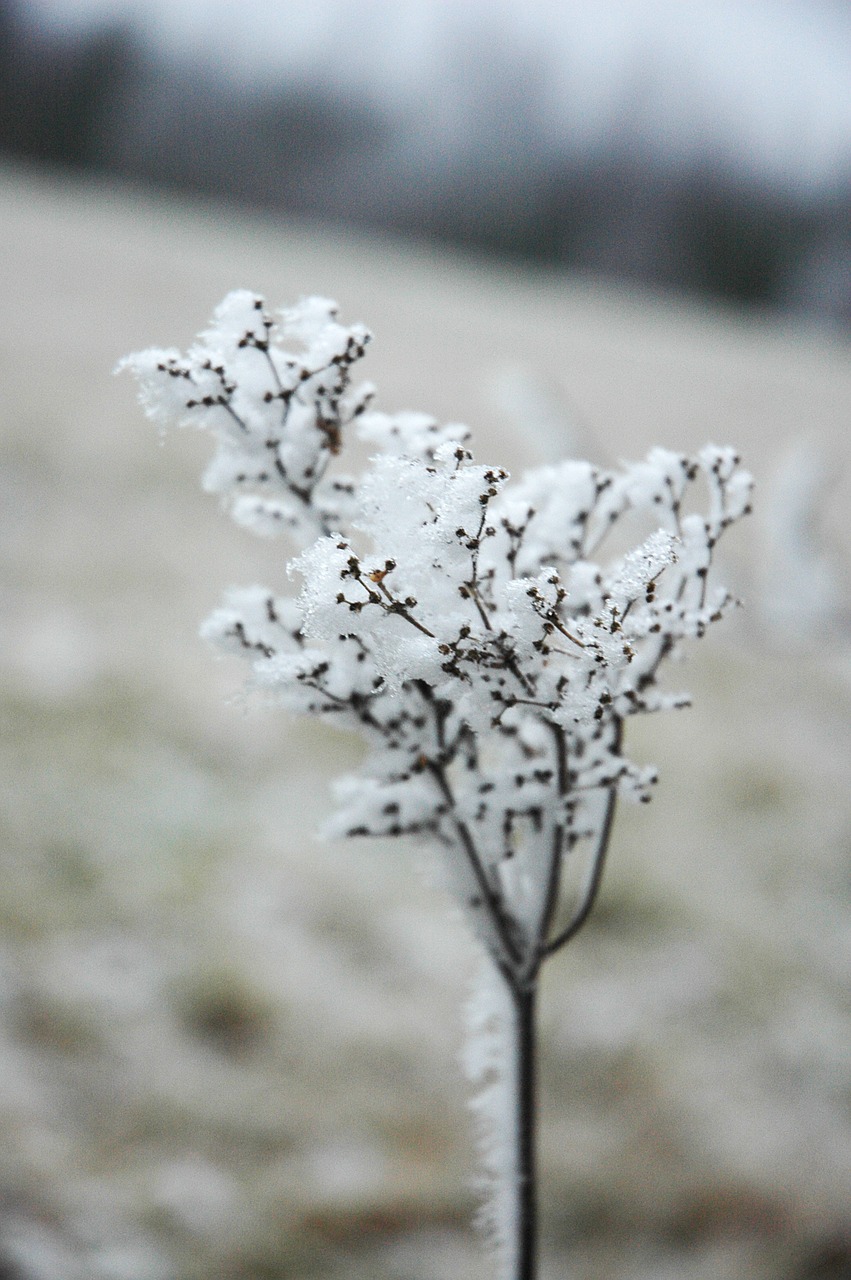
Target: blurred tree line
[{"x": 104, "y": 101}]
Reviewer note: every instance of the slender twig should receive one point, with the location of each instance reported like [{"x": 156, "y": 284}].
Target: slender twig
[
  {"x": 551, "y": 893},
  {"x": 595, "y": 877}
]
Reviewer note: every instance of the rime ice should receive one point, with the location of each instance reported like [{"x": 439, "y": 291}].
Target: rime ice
[{"x": 475, "y": 631}]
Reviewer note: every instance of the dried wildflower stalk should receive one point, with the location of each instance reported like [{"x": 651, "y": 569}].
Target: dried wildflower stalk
[{"x": 474, "y": 632}]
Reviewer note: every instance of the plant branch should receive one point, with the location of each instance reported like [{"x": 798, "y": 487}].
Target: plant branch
[{"x": 595, "y": 877}]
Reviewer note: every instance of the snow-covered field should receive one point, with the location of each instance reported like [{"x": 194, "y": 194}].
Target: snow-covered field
[{"x": 226, "y": 1050}]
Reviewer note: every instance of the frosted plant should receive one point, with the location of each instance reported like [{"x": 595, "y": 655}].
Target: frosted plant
[{"x": 478, "y": 634}]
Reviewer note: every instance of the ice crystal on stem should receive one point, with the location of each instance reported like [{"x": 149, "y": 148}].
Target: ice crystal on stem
[{"x": 476, "y": 632}]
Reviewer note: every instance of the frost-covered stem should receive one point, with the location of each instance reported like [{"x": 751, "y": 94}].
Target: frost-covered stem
[
  {"x": 524, "y": 994},
  {"x": 524, "y": 999}
]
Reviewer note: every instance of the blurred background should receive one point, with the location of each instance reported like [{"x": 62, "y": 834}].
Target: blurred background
[
  {"x": 227, "y": 1050},
  {"x": 702, "y": 147}
]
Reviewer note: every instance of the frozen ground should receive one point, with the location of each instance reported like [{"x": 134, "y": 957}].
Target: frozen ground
[{"x": 227, "y": 1051}]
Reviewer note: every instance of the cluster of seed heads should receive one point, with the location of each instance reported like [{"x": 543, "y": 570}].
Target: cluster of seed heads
[{"x": 472, "y": 630}]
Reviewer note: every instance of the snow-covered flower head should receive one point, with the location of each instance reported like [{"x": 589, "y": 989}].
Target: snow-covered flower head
[{"x": 476, "y": 631}]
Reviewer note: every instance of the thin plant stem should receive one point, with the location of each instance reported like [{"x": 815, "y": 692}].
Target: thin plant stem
[{"x": 526, "y": 1130}]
